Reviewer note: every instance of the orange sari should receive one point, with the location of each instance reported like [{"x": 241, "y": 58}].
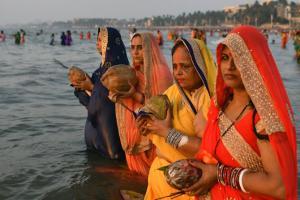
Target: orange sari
[
  {"x": 238, "y": 148},
  {"x": 284, "y": 40},
  {"x": 155, "y": 79}
]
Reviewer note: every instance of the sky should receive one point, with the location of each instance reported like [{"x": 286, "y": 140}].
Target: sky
[{"x": 26, "y": 11}]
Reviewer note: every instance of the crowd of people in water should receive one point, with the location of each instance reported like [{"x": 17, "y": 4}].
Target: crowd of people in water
[
  {"x": 172, "y": 35},
  {"x": 20, "y": 37},
  {"x": 225, "y": 117},
  {"x": 66, "y": 38}
]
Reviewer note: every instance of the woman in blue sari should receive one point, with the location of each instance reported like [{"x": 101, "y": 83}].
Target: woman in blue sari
[{"x": 101, "y": 132}]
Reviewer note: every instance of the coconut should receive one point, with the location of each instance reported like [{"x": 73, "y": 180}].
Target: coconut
[
  {"x": 119, "y": 78},
  {"x": 157, "y": 106},
  {"x": 181, "y": 174},
  {"x": 76, "y": 74}
]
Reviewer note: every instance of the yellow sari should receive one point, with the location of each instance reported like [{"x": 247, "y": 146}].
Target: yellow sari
[{"x": 183, "y": 117}]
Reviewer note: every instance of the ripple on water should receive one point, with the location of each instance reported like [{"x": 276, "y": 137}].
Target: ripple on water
[{"x": 42, "y": 150}]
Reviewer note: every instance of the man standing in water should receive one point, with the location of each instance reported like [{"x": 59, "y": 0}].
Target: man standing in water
[
  {"x": 297, "y": 46},
  {"x": 17, "y": 38},
  {"x": 2, "y": 36},
  {"x": 22, "y": 36},
  {"x": 159, "y": 37},
  {"x": 52, "y": 39}
]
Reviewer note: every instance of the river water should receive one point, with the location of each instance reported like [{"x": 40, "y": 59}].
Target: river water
[{"x": 42, "y": 149}]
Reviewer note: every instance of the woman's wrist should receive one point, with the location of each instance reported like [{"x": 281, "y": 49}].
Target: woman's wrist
[
  {"x": 231, "y": 176},
  {"x": 91, "y": 87},
  {"x": 175, "y": 138},
  {"x": 165, "y": 132}
]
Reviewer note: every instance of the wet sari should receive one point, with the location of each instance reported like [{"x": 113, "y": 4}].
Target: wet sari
[
  {"x": 185, "y": 106},
  {"x": 101, "y": 132},
  {"x": 238, "y": 148},
  {"x": 155, "y": 79}
]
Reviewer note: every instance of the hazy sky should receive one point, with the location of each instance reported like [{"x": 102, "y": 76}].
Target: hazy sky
[{"x": 24, "y": 11}]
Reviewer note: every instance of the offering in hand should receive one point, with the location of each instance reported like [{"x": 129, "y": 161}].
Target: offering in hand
[
  {"x": 76, "y": 74},
  {"x": 156, "y": 106},
  {"x": 119, "y": 78},
  {"x": 181, "y": 174}
]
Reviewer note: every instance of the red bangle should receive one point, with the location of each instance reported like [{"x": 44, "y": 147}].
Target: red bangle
[{"x": 229, "y": 176}]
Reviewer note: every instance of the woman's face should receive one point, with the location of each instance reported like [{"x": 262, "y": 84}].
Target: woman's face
[
  {"x": 99, "y": 44},
  {"x": 194, "y": 34},
  {"x": 184, "y": 71},
  {"x": 137, "y": 51},
  {"x": 231, "y": 75}
]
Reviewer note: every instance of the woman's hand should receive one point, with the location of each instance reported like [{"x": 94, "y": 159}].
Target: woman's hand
[
  {"x": 141, "y": 123},
  {"x": 207, "y": 180},
  {"x": 84, "y": 85},
  {"x": 159, "y": 127},
  {"x": 129, "y": 93}
]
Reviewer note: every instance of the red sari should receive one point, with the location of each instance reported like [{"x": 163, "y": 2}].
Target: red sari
[{"x": 238, "y": 148}]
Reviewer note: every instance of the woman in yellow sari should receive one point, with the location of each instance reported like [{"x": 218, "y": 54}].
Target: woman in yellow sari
[{"x": 194, "y": 72}]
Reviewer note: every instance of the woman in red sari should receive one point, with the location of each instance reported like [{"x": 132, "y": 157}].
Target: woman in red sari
[{"x": 250, "y": 131}]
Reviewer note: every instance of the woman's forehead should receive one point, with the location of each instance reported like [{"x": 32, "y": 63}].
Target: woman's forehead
[
  {"x": 225, "y": 49},
  {"x": 137, "y": 38}
]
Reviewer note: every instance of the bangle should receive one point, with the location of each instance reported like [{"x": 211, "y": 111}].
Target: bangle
[
  {"x": 230, "y": 176},
  {"x": 184, "y": 140},
  {"x": 173, "y": 138},
  {"x": 241, "y": 180},
  {"x": 220, "y": 168}
]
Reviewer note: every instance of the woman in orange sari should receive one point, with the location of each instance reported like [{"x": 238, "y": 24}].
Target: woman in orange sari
[
  {"x": 154, "y": 77},
  {"x": 250, "y": 130}
]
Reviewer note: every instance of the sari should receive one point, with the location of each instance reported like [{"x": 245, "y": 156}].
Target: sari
[
  {"x": 155, "y": 79},
  {"x": 101, "y": 132},
  {"x": 238, "y": 148},
  {"x": 185, "y": 106}
]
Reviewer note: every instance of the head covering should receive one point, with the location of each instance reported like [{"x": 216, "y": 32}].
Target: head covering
[
  {"x": 113, "y": 48},
  {"x": 182, "y": 116},
  {"x": 101, "y": 123},
  {"x": 156, "y": 71},
  {"x": 204, "y": 65},
  {"x": 154, "y": 80},
  {"x": 260, "y": 74}
]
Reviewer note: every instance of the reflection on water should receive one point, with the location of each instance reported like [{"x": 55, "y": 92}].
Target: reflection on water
[{"x": 41, "y": 122}]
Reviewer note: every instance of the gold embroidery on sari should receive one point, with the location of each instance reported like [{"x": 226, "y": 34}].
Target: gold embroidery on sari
[
  {"x": 121, "y": 126},
  {"x": 147, "y": 63},
  {"x": 104, "y": 42},
  {"x": 197, "y": 54},
  {"x": 240, "y": 150},
  {"x": 253, "y": 83}
]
